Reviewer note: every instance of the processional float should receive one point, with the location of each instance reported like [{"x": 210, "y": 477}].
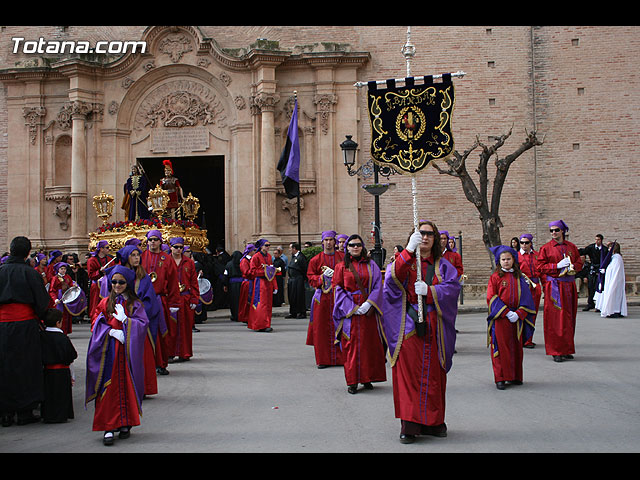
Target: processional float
[{"x": 411, "y": 126}]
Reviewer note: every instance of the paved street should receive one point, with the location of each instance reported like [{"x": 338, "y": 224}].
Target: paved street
[{"x": 261, "y": 392}]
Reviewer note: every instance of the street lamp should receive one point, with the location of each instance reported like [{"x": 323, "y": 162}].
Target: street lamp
[{"x": 349, "y": 149}]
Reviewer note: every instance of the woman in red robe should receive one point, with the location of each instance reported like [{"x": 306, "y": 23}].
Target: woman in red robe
[
  {"x": 356, "y": 314},
  {"x": 263, "y": 273},
  {"x": 115, "y": 366},
  {"x": 60, "y": 283},
  {"x": 189, "y": 297},
  {"x": 527, "y": 258},
  {"x": 509, "y": 320}
]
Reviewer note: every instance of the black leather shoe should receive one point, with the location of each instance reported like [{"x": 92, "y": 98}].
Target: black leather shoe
[
  {"x": 125, "y": 432},
  {"x": 322, "y": 366},
  {"x": 108, "y": 438},
  {"x": 7, "y": 420},
  {"x": 301, "y": 315},
  {"x": 436, "y": 430},
  {"x": 567, "y": 357},
  {"x": 587, "y": 308},
  {"x": 268, "y": 329},
  {"x": 500, "y": 385},
  {"x": 27, "y": 419},
  {"x": 515, "y": 382},
  {"x": 406, "y": 438},
  {"x": 289, "y": 316},
  {"x": 558, "y": 358},
  {"x": 162, "y": 371},
  {"x": 352, "y": 389},
  {"x": 368, "y": 386}
]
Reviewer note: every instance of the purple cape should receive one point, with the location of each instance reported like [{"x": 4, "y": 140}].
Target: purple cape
[
  {"x": 398, "y": 324},
  {"x": 344, "y": 307},
  {"x": 102, "y": 349},
  {"x": 525, "y": 326}
]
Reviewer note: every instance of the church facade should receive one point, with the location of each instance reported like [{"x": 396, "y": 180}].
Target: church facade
[{"x": 217, "y": 101}]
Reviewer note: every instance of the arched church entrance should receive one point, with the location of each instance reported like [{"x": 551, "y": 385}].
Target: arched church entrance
[{"x": 203, "y": 177}]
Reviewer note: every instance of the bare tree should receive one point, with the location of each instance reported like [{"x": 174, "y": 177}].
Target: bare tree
[{"x": 489, "y": 211}]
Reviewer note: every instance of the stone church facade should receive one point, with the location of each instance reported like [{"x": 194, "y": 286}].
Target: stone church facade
[{"x": 217, "y": 101}]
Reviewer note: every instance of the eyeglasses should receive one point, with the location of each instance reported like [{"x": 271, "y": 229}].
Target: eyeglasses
[
  {"x": 553, "y": 230},
  {"x": 524, "y": 242},
  {"x": 427, "y": 233},
  {"x": 267, "y": 245},
  {"x": 177, "y": 246},
  {"x": 354, "y": 245},
  {"x": 118, "y": 282},
  {"x": 153, "y": 239}
]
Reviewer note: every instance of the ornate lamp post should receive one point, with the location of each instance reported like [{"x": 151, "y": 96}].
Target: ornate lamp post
[
  {"x": 159, "y": 200},
  {"x": 103, "y": 205},
  {"x": 190, "y": 207},
  {"x": 349, "y": 151}
]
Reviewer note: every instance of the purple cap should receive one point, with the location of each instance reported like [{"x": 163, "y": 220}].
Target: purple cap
[
  {"x": 57, "y": 266},
  {"x": 248, "y": 249},
  {"x": 527, "y": 236},
  {"x": 501, "y": 249},
  {"x": 560, "y": 224},
  {"x": 176, "y": 241},
  {"x": 128, "y": 274},
  {"x": 133, "y": 241},
  {"x": 329, "y": 234},
  {"x": 154, "y": 233}
]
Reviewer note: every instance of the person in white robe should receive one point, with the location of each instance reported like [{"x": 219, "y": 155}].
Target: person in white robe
[{"x": 612, "y": 301}]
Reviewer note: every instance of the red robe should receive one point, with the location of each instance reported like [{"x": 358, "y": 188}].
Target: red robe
[
  {"x": 418, "y": 372},
  {"x": 321, "y": 332},
  {"x": 94, "y": 264},
  {"x": 189, "y": 294},
  {"x": 363, "y": 352},
  {"x": 507, "y": 364},
  {"x": 455, "y": 259},
  {"x": 165, "y": 285},
  {"x": 527, "y": 264},
  {"x": 561, "y": 304},
  {"x": 245, "y": 289},
  {"x": 261, "y": 301},
  {"x": 57, "y": 287}
]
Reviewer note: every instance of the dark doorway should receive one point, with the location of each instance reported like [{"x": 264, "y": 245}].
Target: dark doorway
[{"x": 203, "y": 177}]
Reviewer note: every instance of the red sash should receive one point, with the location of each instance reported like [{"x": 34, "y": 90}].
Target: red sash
[
  {"x": 56, "y": 366},
  {"x": 16, "y": 312}
]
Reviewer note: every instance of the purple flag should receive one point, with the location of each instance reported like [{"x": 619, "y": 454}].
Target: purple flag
[{"x": 289, "y": 163}]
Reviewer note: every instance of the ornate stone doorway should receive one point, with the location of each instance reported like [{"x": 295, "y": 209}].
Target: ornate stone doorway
[{"x": 203, "y": 177}]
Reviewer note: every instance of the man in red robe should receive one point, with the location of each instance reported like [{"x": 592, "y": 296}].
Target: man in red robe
[
  {"x": 454, "y": 257},
  {"x": 96, "y": 265},
  {"x": 164, "y": 275},
  {"x": 264, "y": 284},
  {"x": 527, "y": 257},
  {"x": 321, "y": 333},
  {"x": 189, "y": 297},
  {"x": 559, "y": 260}
]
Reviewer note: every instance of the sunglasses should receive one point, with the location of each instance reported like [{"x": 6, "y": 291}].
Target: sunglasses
[
  {"x": 354, "y": 245},
  {"x": 553, "y": 230},
  {"x": 427, "y": 233},
  {"x": 118, "y": 282},
  {"x": 177, "y": 246},
  {"x": 153, "y": 239},
  {"x": 524, "y": 243}
]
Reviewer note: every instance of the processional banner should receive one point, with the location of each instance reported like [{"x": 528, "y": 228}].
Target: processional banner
[{"x": 411, "y": 125}]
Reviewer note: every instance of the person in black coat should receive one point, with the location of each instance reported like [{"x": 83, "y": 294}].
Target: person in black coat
[
  {"x": 58, "y": 354},
  {"x": 297, "y": 271},
  {"x": 23, "y": 303},
  {"x": 596, "y": 252},
  {"x": 278, "y": 261},
  {"x": 232, "y": 281}
]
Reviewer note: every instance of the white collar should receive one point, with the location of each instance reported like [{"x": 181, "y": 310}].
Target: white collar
[
  {"x": 53, "y": 329},
  {"x": 510, "y": 270}
]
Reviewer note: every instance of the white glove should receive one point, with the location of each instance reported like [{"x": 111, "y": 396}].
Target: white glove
[
  {"x": 564, "y": 262},
  {"x": 275, "y": 291},
  {"x": 173, "y": 310},
  {"x": 192, "y": 306},
  {"x": 328, "y": 272},
  {"x": 119, "y": 315},
  {"x": 602, "y": 270},
  {"x": 512, "y": 316},
  {"x": 421, "y": 288},
  {"x": 414, "y": 240},
  {"x": 117, "y": 334},
  {"x": 363, "y": 309}
]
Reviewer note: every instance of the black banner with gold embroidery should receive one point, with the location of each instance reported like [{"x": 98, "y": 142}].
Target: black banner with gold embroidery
[{"x": 411, "y": 125}]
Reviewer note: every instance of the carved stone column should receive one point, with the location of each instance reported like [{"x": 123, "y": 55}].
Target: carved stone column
[
  {"x": 79, "y": 111},
  {"x": 268, "y": 162}
]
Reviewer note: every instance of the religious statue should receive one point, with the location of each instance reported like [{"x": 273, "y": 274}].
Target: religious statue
[
  {"x": 136, "y": 190},
  {"x": 172, "y": 185}
]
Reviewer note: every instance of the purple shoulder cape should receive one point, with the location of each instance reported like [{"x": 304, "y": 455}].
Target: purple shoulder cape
[
  {"x": 344, "y": 307},
  {"x": 398, "y": 324},
  {"x": 102, "y": 348}
]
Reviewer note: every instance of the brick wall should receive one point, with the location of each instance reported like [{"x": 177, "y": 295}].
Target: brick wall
[{"x": 586, "y": 98}]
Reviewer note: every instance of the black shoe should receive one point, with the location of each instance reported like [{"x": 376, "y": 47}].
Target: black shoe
[
  {"x": 352, "y": 389},
  {"x": 162, "y": 371},
  {"x": 529, "y": 345},
  {"x": 567, "y": 357},
  {"x": 27, "y": 419},
  {"x": 322, "y": 366},
  {"x": 515, "y": 382},
  {"x": 290, "y": 316},
  {"x": 500, "y": 385},
  {"x": 587, "y": 308},
  {"x": 368, "y": 386},
  {"x": 406, "y": 438},
  {"x": 301, "y": 315},
  {"x": 435, "y": 430},
  {"x": 194, "y": 329},
  {"x": 108, "y": 438},
  {"x": 125, "y": 432},
  {"x": 558, "y": 358},
  {"x": 7, "y": 420},
  {"x": 268, "y": 329}
]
